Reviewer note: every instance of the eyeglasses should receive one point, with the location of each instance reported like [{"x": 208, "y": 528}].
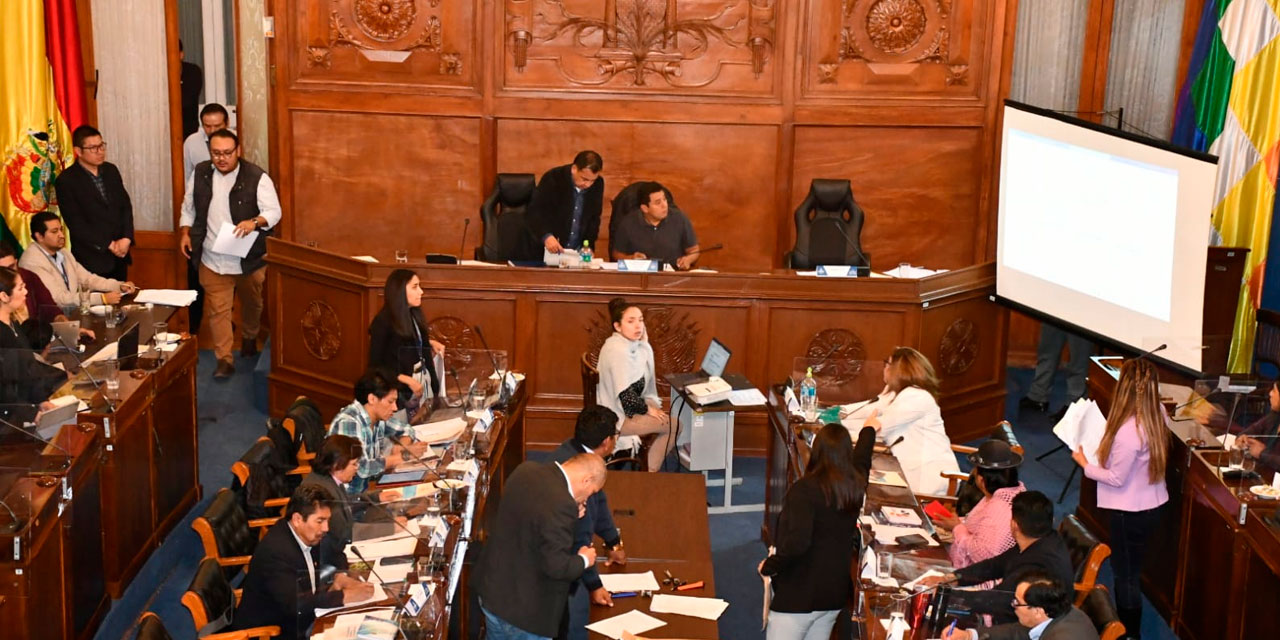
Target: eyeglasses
[
  {"x": 1017, "y": 604},
  {"x": 222, "y": 154},
  {"x": 101, "y": 146}
]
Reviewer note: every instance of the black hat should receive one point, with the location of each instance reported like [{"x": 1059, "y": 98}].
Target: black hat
[{"x": 995, "y": 454}]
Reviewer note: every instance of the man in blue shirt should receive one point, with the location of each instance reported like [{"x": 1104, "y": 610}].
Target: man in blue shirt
[{"x": 566, "y": 204}]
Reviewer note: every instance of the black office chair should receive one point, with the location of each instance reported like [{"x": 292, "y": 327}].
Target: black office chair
[
  {"x": 1102, "y": 612},
  {"x": 626, "y": 203},
  {"x": 828, "y": 227},
  {"x": 507, "y": 234},
  {"x": 151, "y": 628}
]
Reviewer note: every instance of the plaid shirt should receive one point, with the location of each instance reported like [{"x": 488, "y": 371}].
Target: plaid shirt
[{"x": 354, "y": 421}]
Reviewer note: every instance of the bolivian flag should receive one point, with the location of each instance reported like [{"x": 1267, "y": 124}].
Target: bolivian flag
[
  {"x": 1230, "y": 107},
  {"x": 35, "y": 141}
]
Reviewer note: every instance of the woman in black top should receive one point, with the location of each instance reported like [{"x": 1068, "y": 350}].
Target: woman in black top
[
  {"x": 23, "y": 379},
  {"x": 818, "y": 536},
  {"x": 398, "y": 340}
]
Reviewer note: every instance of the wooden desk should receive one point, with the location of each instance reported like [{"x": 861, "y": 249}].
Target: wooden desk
[
  {"x": 664, "y": 526},
  {"x": 547, "y": 318}
]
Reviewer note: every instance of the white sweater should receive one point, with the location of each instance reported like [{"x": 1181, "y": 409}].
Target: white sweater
[
  {"x": 925, "y": 450},
  {"x": 621, "y": 363}
]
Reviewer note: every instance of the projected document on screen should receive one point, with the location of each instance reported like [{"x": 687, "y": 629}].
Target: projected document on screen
[
  {"x": 1083, "y": 238},
  {"x": 1104, "y": 231}
]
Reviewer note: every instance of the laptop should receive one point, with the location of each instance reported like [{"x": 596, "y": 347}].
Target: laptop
[
  {"x": 713, "y": 365},
  {"x": 127, "y": 347},
  {"x": 66, "y": 333},
  {"x": 144, "y": 319}
]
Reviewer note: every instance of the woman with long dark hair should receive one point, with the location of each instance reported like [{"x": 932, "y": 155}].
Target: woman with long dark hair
[
  {"x": 818, "y": 536},
  {"x": 628, "y": 382},
  {"x": 1130, "y": 476},
  {"x": 399, "y": 344},
  {"x": 1262, "y": 438},
  {"x": 23, "y": 379}
]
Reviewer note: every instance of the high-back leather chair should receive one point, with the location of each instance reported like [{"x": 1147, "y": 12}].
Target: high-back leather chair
[
  {"x": 305, "y": 427},
  {"x": 507, "y": 234},
  {"x": 151, "y": 628},
  {"x": 626, "y": 203},
  {"x": 1102, "y": 612},
  {"x": 210, "y": 598},
  {"x": 226, "y": 534},
  {"x": 828, "y": 227},
  {"x": 261, "y": 482},
  {"x": 1087, "y": 554}
]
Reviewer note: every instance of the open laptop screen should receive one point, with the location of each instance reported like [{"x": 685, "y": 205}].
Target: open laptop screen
[{"x": 717, "y": 358}]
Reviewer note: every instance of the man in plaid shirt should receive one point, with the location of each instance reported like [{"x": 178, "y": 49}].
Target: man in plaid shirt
[{"x": 373, "y": 420}]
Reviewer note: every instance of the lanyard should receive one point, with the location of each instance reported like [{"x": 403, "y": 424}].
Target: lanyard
[{"x": 62, "y": 270}]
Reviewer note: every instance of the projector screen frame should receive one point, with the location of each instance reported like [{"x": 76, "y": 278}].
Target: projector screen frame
[{"x": 1112, "y": 343}]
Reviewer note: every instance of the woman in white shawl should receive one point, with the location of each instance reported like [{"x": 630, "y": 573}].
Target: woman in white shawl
[
  {"x": 627, "y": 380},
  {"x": 907, "y": 408}
]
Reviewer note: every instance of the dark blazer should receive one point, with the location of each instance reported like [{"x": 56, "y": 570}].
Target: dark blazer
[
  {"x": 396, "y": 355},
  {"x": 597, "y": 521},
  {"x": 551, "y": 210},
  {"x": 1268, "y": 425},
  {"x": 340, "y": 520},
  {"x": 276, "y": 588},
  {"x": 1048, "y": 554},
  {"x": 94, "y": 222},
  {"x": 528, "y": 562},
  {"x": 817, "y": 543},
  {"x": 1073, "y": 625},
  {"x": 23, "y": 379}
]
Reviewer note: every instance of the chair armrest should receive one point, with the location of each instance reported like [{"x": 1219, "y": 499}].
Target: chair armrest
[
  {"x": 300, "y": 470},
  {"x": 262, "y": 523},
  {"x": 234, "y": 561},
  {"x": 246, "y": 634},
  {"x": 275, "y": 502},
  {"x": 960, "y": 448}
]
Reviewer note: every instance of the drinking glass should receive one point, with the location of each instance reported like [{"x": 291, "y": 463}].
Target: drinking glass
[
  {"x": 476, "y": 399},
  {"x": 111, "y": 377},
  {"x": 1237, "y": 458},
  {"x": 160, "y": 336},
  {"x": 109, "y": 316},
  {"x": 402, "y": 256},
  {"x": 884, "y": 565},
  {"x": 85, "y": 298},
  {"x": 461, "y": 450}
]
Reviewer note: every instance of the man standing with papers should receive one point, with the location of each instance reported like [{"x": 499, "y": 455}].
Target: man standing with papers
[{"x": 229, "y": 209}]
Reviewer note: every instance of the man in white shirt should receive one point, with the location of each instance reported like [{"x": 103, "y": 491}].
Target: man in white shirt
[
  {"x": 195, "y": 149},
  {"x": 226, "y": 195},
  {"x": 48, "y": 258}
]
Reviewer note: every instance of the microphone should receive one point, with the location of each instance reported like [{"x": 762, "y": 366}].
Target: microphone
[
  {"x": 80, "y": 363},
  {"x": 715, "y": 247},
  {"x": 896, "y": 442},
  {"x": 15, "y": 522},
  {"x": 457, "y": 386},
  {"x": 1158, "y": 349},
  {"x": 65, "y": 463},
  {"x": 502, "y": 383},
  {"x": 866, "y": 262},
  {"x": 462, "y": 249}
]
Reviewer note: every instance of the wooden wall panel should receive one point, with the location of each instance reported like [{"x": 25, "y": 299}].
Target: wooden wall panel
[
  {"x": 919, "y": 188},
  {"x": 857, "y": 338},
  {"x": 373, "y": 183},
  {"x": 721, "y": 175}
]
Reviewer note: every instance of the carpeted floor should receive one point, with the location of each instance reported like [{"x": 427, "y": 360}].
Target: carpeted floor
[{"x": 230, "y": 423}]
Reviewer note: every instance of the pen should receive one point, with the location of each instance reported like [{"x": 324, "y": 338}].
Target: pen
[
  {"x": 951, "y": 629},
  {"x": 691, "y": 585},
  {"x": 625, "y": 594}
]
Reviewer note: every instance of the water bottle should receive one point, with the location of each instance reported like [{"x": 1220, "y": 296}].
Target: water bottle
[
  {"x": 586, "y": 251},
  {"x": 809, "y": 396}
]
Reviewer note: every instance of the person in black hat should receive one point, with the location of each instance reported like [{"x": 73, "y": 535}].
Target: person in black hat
[{"x": 984, "y": 532}]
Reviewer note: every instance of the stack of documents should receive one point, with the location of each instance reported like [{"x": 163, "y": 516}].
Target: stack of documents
[
  {"x": 634, "y": 622},
  {"x": 378, "y": 595},
  {"x": 705, "y": 608},
  {"x": 371, "y": 549},
  {"x": 440, "y": 432},
  {"x": 1082, "y": 426},
  {"x": 901, "y": 516},
  {"x": 349, "y": 625},
  {"x": 624, "y": 582},
  {"x": 746, "y": 397},
  {"x": 170, "y": 297}
]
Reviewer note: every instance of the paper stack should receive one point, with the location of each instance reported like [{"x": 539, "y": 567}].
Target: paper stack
[
  {"x": 1082, "y": 426},
  {"x": 705, "y": 608},
  {"x": 170, "y": 297},
  {"x": 631, "y": 622},
  {"x": 622, "y": 582}
]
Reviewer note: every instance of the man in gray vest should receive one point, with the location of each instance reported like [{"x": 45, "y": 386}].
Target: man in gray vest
[{"x": 225, "y": 195}]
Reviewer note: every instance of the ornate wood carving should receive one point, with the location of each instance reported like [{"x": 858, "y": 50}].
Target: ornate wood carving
[
  {"x": 321, "y": 330},
  {"x": 838, "y": 356},
  {"x": 958, "y": 347},
  {"x": 636, "y": 42},
  {"x": 380, "y": 31},
  {"x": 460, "y": 342},
  {"x": 672, "y": 334},
  {"x": 888, "y": 38}
]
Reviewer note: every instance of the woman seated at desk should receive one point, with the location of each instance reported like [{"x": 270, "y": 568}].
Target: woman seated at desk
[
  {"x": 1261, "y": 440},
  {"x": 332, "y": 469},
  {"x": 907, "y": 409},
  {"x": 23, "y": 379},
  {"x": 984, "y": 532},
  {"x": 399, "y": 344},
  {"x": 628, "y": 383}
]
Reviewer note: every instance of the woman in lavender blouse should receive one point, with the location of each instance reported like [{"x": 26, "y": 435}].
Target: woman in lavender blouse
[{"x": 1130, "y": 476}]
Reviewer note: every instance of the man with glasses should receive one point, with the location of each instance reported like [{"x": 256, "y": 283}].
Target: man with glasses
[
  {"x": 195, "y": 149},
  {"x": 96, "y": 207},
  {"x": 227, "y": 195},
  {"x": 1043, "y": 606}
]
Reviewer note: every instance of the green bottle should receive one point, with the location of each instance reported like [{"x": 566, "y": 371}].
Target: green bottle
[{"x": 586, "y": 251}]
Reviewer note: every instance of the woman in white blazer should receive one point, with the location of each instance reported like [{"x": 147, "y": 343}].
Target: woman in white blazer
[{"x": 907, "y": 408}]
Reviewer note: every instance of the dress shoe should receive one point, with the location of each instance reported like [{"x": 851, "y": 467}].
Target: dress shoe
[
  {"x": 1034, "y": 405},
  {"x": 224, "y": 370},
  {"x": 1057, "y": 415},
  {"x": 249, "y": 348}
]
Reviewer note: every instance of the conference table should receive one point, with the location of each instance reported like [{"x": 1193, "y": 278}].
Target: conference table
[
  {"x": 664, "y": 525},
  {"x": 547, "y": 319},
  {"x": 87, "y": 525}
]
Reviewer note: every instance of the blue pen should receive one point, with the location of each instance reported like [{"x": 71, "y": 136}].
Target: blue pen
[
  {"x": 625, "y": 594},
  {"x": 951, "y": 629}
]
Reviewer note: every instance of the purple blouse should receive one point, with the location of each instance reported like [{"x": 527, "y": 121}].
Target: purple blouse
[{"x": 1123, "y": 482}]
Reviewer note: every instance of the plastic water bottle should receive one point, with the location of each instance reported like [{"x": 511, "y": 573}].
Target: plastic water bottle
[
  {"x": 809, "y": 396},
  {"x": 586, "y": 251}
]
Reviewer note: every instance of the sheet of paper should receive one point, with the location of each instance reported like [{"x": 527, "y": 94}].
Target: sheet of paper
[
  {"x": 633, "y": 621},
  {"x": 369, "y": 259},
  {"x": 1082, "y": 426},
  {"x": 104, "y": 353},
  {"x": 889, "y": 478},
  {"x": 478, "y": 263},
  {"x": 378, "y": 595},
  {"x": 910, "y": 586},
  {"x": 228, "y": 243},
  {"x": 623, "y": 582},
  {"x": 390, "y": 573},
  {"x": 705, "y": 608},
  {"x": 436, "y": 432},
  {"x": 170, "y": 297},
  {"x": 746, "y": 397},
  {"x": 900, "y": 516},
  {"x": 1228, "y": 441},
  {"x": 382, "y": 549}
]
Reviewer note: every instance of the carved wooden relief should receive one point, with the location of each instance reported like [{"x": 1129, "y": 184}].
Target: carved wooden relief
[
  {"x": 641, "y": 45},
  {"x": 837, "y": 355},
  {"x": 890, "y": 45},
  {"x": 460, "y": 342},
  {"x": 409, "y": 41},
  {"x": 958, "y": 347},
  {"x": 672, "y": 334},
  {"x": 321, "y": 330}
]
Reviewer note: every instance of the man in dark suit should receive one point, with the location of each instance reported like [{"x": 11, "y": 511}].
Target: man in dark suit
[
  {"x": 596, "y": 432},
  {"x": 565, "y": 209},
  {"x": 528, "y": 562},
  {"x": 1044, "y": 610},
  {"x": 283, "y": 585},
  {"x": 96, "y": 207}
]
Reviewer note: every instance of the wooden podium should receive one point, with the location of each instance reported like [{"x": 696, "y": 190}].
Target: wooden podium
[{"x": 321, "y": 304}]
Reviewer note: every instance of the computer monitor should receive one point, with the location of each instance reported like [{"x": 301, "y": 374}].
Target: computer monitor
[{"x": 717, "y": 358}]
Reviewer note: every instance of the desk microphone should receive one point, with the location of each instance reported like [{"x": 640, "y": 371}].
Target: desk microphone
[
  {"x": 15, "y": 522},
  {"x": 866, "y": 262},
  {"x": 80, "y": 363},
  {"x": 896, "y": 442},
  {"x": 462, "y": 248},
  {"x": 715, "y": 247},
  {"x": 1158, "y": 349},
  {"x": 502, "y": 383},
  {"x": 457, "y": 386},
  {"x": 400, "y": 599},
  {"x": 66, "y": 464}
]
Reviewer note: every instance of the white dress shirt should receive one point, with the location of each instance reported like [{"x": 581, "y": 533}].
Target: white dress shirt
[
  {"x": 306, "y": 555},
  {"x": 195, "y": 149},
  {"x": 568, "y": 484},
  {"x": 220, "y": 212},
  {"x": 925, "y": 450}
]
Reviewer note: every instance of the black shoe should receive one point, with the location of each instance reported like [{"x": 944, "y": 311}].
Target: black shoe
[
  {"x": 249, "y": 348},
  {"x": 1057, "y": 415},
  {"x": 224, "y": 370},
  {"x": 1028, "y": 403}
]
